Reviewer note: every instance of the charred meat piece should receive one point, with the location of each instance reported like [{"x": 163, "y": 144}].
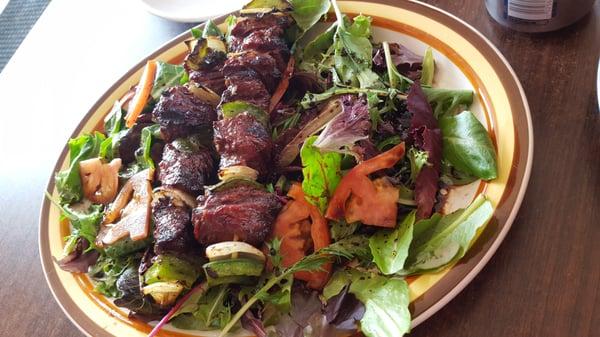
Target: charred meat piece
[
  {"x": 263, "y": 65},
  {"x": 212, "y": 79},
  {"x": 247, "y": 87},
  {"x": 243, "y": 212},
  {"x": 173, "y": 231},
  {"x": 186, "y": 166},
  {"x": 268, "y": 41},
  {"x": 179, "y": 113},
  {"x": 250, "y": 24},
  {"x": 243, "y": 140}
]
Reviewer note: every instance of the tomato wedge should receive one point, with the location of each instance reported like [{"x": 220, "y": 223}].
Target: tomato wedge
[
  {"x": 300, "y": 227},
  {"x": 357, "y": 198}
]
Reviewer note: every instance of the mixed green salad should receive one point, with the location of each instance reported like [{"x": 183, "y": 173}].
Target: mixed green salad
[{"x": 286, "y": 178}]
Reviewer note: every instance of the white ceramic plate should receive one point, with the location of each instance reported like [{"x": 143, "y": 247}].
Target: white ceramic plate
[{"x": 191, "y": 10}]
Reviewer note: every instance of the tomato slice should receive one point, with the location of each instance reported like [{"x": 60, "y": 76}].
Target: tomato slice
[
  {"x": 357, "y": 198},
  {"x": 301, "y": 228}
]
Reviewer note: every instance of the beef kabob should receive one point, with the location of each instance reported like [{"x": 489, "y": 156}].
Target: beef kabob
[{"x": 239, "y": 208}]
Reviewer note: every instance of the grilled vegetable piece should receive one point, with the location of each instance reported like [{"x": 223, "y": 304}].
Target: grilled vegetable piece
[
  {"x": 163, "y": 293},
  {"x": 243, "y": 140},
  {"x": 179, "y": 113},
  {"x": 233, "y": 249},
  {"x": 126, "y": 246},
  {"x": 186, "y": 165},
  {"x": 132, "y": 208},
  {"x": 233, "y": 267},
  {"x": 173, "y": 232},
  {"x": 205, "y": 54},
  {"x": 99, "y": 180},
  {"x": 242, "y": 211},
  {"x": 169, "y": 268}
]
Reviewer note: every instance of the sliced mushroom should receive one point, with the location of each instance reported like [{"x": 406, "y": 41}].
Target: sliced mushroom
[
  {"x": 233, "y": 249},
  {"x": 100, "y": 181},
  {"x": 132, "y": 208},
  {"x": 291, "y": 150}
]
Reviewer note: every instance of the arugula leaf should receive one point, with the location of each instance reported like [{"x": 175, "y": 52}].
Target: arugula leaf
[
  {"x": 207, "y": 312},
  {"x": 467, "y": 145},
  {"x": 308, "y": 12},
  {"x": 84, "y": 224},
  {"x": 442, "y": 240},
  {"x": 107, "y": 271},
  {"x": 318, "y": 45},
  {"x": 390, "y": 248},
  {"x": 428, "y": 68},
  {"x": 354, "y": 246},
  {"x": 68, "y": 181},
  {"x": 386, "y": 301},
  {"x": 418, "y": 159},
  {"x": 341, "y": 229},
  {"x": 167, "y": 75},
  {"x": 446, "y": 101},
  {"x": 321, "y": 173},
  {"x": 211, "y": 29}
]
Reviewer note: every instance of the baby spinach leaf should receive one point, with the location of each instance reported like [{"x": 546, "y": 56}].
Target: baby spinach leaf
[
  {"x": 428, "y": 68},
  {"x": 386, "y": 301},
  {"x": 467, "y": 145},
  {"x": 167, "y": 75},
  {"x": 143, "y": 154},
  {"x": 442, "y": 240},
  {"x": 68, "y": 181},
  {"x": 390, "y": 248},
  {"x": 308, "y": 12},
  {"x": 321, "y": 173}
]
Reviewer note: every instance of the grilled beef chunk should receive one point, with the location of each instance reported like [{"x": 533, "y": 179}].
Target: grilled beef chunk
[
  {"x": 245, "y": 212},
  {"x": 268, "y": 41},
  {"x": 246, "y": 87},
  {"x": 242, "y": 140},
  {"x": 250, "y": 24},
  {"x": 180, "y": 114},
  {"x": 264, "y": 66},
  {"x": 212, "y": 79},
  {"x": 187, "y": 167},
  {"x": 173, "y": 232}
]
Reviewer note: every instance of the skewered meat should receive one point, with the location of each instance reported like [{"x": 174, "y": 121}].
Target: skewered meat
[
  {"x": 186, "y": 166},
  {"x": 243, "y": 140},
  {"x": 243, "y": 212},
  {"x": 179, "y": 113},
  {"x": 173, "y": 231},
  {"x": 261, "y": 65},
  {"x": 250, "y": 24},
  {"x": 248, "y": 88},
  {"x": 212, "y": 79}
]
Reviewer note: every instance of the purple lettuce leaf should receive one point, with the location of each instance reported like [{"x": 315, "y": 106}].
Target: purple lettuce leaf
[
  {"x": 344, "y": 310},
  {"x": 79, "y": 260},
  {"x": 425, "y": 135},
  {"x": 408, "y": 63},
  {"x": 348, "y": 127},
  {"x": 251, "y": 323}
]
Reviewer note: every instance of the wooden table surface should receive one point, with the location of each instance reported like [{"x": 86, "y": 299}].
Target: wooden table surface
[{"x": 543, "y": 281}]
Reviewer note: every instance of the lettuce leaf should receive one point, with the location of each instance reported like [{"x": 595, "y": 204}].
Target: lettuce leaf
[
  {"x": 446, "y": 101},
  {"x": 68, "y": 182},
  {"x": 428, "y": 68},
  {"x": 348, "y": 127},
  {"x": 442, "y": 240},
  {"x": 390, "y": 248},
  {"x": 321, "y": 173},
  {"x": 386, "y": 301},
  {"x": 209, "y": 312},
  {"x": 308, "y": 12},
  {"x": 167, "y": 75}
]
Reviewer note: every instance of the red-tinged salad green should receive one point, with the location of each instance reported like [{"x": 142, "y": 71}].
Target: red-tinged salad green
[{"x": 285, "y": 179}]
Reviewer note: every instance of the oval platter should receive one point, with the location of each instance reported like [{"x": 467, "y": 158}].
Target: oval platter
[{"x": 464, "y": 59}]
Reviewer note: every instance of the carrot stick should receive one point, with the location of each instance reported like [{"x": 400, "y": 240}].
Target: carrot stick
[
  {"x": 142, "y": 92},
  {"x": 283, "y": 85}
]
